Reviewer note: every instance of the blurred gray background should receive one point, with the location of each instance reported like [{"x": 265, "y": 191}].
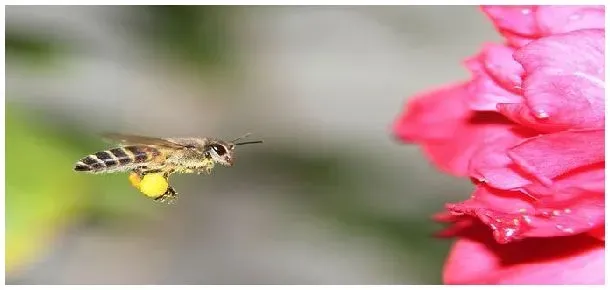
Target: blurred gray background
[{"x": 329, "y": 198}]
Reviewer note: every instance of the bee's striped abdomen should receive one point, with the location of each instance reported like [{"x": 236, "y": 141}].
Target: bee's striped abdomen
[{"x": 115, "y": 158}]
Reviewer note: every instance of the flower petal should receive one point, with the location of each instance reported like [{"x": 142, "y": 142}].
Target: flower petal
[
  {"x": 514, "y": 21},
  {"x": 588, "y": 179},
  {"x": 551, "y": 155},
  {"x": 495, "y": 76},
  {"x": 517, "y": 40},
  {"x": 491, "y": 164},
  {"x": 564, "y": 83},
  {"x": 568, "y": 18},
  {"x": 503, "y": 211},
  {"x": 535, "y": 212},
  {"x": 430, "y": 116},
  {"x": 579, "y": 51},
  {"x": 500, "y": 64},
  {"x": 575, "y": 203},
  {"x": 521, "y": 114},
  {"x": 447, "y": 129},
  {"x": 583, "y": 213},
  {"x": 476, "y": 259}
]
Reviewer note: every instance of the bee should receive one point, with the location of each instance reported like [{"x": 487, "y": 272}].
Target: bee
[{"x": 152, "y": 160}]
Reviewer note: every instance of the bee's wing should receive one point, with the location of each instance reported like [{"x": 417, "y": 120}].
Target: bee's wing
[{"x": 126, "y": 139}]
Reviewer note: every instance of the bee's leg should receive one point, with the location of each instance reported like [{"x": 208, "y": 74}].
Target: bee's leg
[
  {"x": 188, "y": 170},
  {"x": 209, "y": 167},
  {"x": 169, "y": 196},
  {"x": 205, "y": 169},
  {"x": 167, "y": 173}
]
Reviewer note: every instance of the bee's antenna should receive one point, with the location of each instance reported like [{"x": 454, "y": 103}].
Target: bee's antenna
[
  {"x": 241, "y": 137},
  {"x": 249, "y": 142}
]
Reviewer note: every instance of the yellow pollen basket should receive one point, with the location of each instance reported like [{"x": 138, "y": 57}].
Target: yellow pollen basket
[{"x": 152, "y": 184}]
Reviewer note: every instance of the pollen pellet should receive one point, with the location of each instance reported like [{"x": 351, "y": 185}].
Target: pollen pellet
[
  {"x": 153, "y": 185},
  {"x": 135, "y": 180}
]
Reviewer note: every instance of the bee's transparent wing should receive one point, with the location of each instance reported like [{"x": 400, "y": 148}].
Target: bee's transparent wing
[{"x": 127, "y": 139}]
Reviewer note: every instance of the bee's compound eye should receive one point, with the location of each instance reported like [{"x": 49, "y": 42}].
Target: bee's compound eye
[{"x": 220, "y": 150}]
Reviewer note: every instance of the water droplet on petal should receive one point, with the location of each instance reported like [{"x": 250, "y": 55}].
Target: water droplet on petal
[
  {"x": 540, "y": 114},
  {"x": 567, "y": 210},
  {"x": 556, "y": 212},
  {"x": 507, "y": 228},
  {"x": 478, "y": 179},
  {"x": 526, "y": 11},
  {"x": 565, "y": 229}
]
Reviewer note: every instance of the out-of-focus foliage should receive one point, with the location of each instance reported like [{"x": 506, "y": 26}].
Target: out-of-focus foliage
[
  {"x": 44, "y": 194},
  {"x": 197, "y": 35},
  {"x": 40, "y": 197},
  {"x": 36, "y": 51}
]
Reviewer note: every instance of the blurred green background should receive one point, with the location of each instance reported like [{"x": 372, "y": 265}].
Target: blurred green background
[{"x": 329, "y": 198}]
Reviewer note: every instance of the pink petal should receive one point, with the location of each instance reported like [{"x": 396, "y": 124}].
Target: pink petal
[
  {"x": 583, "y": 213},
  {"x": 522, "y": 114},
  {"x": 534, "y": 212},
  {"x": 522, "y": 24},
  {"x": 575, "y": 203},
  {"x": 586, "y": 179},
  {"x": 477, "y": 259},
  {"x": 590, "y": 178},
  {"x": 575, "y": 52},
  {"x": 485, "y": 93},
  {"x": 599, "y": 233},
  {"x": 448, "y": 131},
  {"x": 496, "y": 75},
  {"x": 564, "y": 83},
  {"x": 517, "y": 40},
  {"x": 503, "y": 211},
  {"x": 562, "y": 19},
  {"x": 437, "y": 109},
  {"x": 514, "y": 20},
  {"x": 551, "y": 155},
  {"x": 491, "y": 164},
  {"x": 502, "y": 67},
  {"x": 458, "y": 224}
]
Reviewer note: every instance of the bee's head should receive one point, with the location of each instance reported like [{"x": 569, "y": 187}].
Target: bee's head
[{"x": 223, "y": 152}]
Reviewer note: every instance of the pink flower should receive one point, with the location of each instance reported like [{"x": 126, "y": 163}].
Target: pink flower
[
  {"x": 522, "y": 24},
  {"x": 476, "y": 259},
  {"x": 528, "y": 129}
]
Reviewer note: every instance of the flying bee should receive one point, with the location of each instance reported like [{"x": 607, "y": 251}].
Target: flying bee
[{"x": 152, "y": 160}]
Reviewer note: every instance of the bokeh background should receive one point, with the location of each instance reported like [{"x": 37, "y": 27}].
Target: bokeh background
[{"x": 330, "y": 198}]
